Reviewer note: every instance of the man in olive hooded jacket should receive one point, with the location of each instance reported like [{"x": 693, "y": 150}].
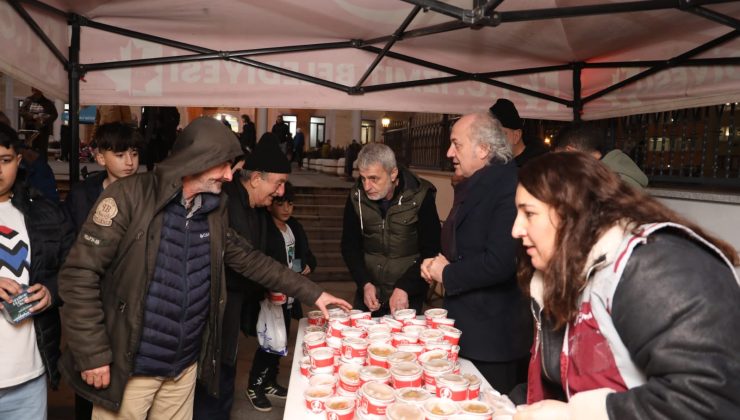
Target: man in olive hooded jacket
[{"x": 143, "y": 286}]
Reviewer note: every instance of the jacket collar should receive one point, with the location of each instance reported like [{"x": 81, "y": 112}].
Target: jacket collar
[
  {"x": 603, "y": 253},
  {"x": 480, "y": 186}
]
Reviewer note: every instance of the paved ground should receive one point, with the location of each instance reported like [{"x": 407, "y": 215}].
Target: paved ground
[{"x": 61, "y": 402}]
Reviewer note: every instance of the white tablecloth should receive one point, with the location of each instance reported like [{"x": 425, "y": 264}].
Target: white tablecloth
[{"x": 295, "y": 407}]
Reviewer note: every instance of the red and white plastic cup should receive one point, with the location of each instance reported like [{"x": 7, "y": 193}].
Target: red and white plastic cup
[
  {"x": 430, "y": 335},
  {"x": 433, "y": 313},
  {"x": 313, "y": 340},
  {"x": 314, "y": 328},
  {"x": 404, "y": 314},
  {"x": 413, "y": 330},
  {"x": 395, "y": 325},
  {"x": 316, "y": 318},
  {"x": 402, "y": 338},
  {"x": 378, "y": 354},
  {"x": 365, "y": 324},
  {"x": 315, "y": 397},
  {"x": 335, "y": 328},
  {"x": 356, "y": 315},
  {"x": 340, "y": 408},
  {"x": 354, "y": 348},
  {"x": 277, "y": 298},
  {"x": 375, "y": 398},
  {"x": 324, "y": 379},
  {"x": 451, "y": 334},
  {"x": 454, "y": 354},
  {"x": 473, "y": 385},
  {"x": 349, "y": 378},
  {"x": 375, "y": 374},
  {"x": 452, "y": 387},
  {"x": 340, "y": 316},
  {"x": 434, "y": 369},
  {"x": 416, "y": 321},
  {"x": 353, "y": 332},
  {"x": 305, "y": 366},
  {"x": 436, "y": 322},
  {"x": 322, "y": 357},
  {"x": 406, "y": 375}
]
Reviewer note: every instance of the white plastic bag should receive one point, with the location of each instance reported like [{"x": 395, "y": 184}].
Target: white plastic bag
[{"x": 271, "y": 333}]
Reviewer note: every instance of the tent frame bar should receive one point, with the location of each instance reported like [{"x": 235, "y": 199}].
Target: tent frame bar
[
  {"x": 395, "y": 37},
  {"x": 673, "y": 62},
  {"x": 23, "y": 13},
  {"x": 482, "y": 14}
]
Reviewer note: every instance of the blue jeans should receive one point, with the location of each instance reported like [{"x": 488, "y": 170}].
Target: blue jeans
[{"x": 26, "y": 401}]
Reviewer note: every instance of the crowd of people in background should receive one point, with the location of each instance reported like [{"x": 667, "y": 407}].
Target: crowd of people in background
[{"x": 577, "y": 294}]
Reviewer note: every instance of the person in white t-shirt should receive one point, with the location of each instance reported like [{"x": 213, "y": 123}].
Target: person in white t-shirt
[{"x": 30, "y": 255}]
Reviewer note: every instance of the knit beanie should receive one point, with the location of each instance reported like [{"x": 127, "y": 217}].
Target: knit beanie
[
  {"x": 505, "y": 111},
  {"x": 267, "y": 157}
]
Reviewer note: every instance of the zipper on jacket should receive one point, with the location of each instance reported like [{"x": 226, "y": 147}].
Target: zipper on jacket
[
  {"x": 134, "y": 345},
  {"x": 539, "y": 340},
  {"x": 186, "y": 290}
]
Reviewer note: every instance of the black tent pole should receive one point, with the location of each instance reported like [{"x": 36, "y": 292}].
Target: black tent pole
[
  {"x": 73, "y": 71},
  {"x": 577, "y": 100}
]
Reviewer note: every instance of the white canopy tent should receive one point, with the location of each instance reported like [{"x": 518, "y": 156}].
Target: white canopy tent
[{"x": 556, "y": 59}]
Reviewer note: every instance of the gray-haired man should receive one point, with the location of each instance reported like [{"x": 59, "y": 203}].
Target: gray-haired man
[{"x": 390, "y": 225}]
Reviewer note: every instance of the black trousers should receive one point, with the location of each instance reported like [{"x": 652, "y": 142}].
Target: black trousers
[
  {"x": 207, "y": 407},
  {"x": 504, "y": 376},
  {"x": 83, "y": 408},
  {"x": 265, "y": 366}
]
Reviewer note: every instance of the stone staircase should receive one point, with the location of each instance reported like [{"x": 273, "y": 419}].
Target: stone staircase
[{"x": 320, "y": 210}]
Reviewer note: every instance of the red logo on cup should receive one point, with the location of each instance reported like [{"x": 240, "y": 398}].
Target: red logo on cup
[{"x": 317, "y": 406}]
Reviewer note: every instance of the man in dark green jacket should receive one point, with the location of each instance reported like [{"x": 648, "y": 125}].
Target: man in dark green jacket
[
  {"x": 390, "y": 225},
  {"x": 122, "y": 281}
]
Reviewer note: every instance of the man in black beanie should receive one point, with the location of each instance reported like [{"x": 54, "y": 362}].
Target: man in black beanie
[
  {"x": 524, "y": 148},
  {"x": 262, "y": 178}
]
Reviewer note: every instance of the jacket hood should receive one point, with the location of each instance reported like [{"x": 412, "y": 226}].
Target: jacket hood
[
  {"x": 203, "y": 144},
  {"x": 626, "y": 168}
]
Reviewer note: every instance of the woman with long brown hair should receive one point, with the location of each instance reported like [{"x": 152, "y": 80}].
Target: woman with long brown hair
[{"x": 637, "y": 309}]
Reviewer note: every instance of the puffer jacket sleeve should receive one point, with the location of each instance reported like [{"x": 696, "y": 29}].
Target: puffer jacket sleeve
[
  {"x": 82, "y": 280},
  {"x": 676, "y": 310},
  {"x": 241, "y": 257}
]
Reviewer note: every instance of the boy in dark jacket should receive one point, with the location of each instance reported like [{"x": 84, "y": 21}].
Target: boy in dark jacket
[
  {"x": 117, "y": 150},
  {"x": 34, "y": 239},
  {"x": 286, "y": 243}
]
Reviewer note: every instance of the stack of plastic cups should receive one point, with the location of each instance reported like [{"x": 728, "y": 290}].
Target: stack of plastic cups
[
  {"x": 434, "y": 369},
  {"x": 374, "y": 399},
  {"x": 452, "y": 387}
]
